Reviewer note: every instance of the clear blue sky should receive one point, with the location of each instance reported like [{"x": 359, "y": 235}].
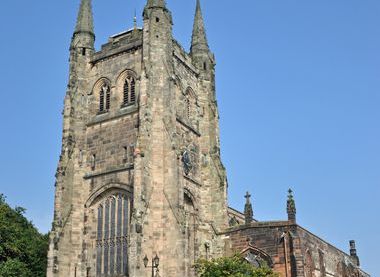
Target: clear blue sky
[{"x": 298, "y": 88}]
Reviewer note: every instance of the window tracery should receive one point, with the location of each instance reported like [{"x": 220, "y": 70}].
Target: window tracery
[
  {"x": 256, "y": 257},
  {"x": 253, "y": 259},
  {"x": 112, "y": 235}
]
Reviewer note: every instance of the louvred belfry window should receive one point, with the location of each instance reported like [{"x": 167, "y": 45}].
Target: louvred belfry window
[
  {"x": 104, "y": 98},
  {"x": 129, "y": 91},
  {"x": 112, "y": 236},
  {"x": 101, "y": 101},
  {"x": 108, "y": 101}
]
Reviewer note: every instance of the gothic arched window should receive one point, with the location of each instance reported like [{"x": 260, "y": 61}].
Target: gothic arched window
[
  {"x": 104, "y": 98},
  {"x": 190, "y": 106},
  {"x": 129, "y": 90},
  {"x": 112, "y": 236},
  {"x": 257, "y": 257}
]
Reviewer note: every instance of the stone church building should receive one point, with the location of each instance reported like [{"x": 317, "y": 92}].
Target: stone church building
[{"x": 140, "y": 187}]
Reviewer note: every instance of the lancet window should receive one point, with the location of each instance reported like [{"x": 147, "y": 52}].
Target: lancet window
[
  {"x": 190, "y": 107},
  {"x": 129, "y": 91},
  {"x": 104, "y": 98}
]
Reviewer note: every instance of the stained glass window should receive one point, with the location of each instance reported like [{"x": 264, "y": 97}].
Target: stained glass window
[{"x": 112, "y": 236}]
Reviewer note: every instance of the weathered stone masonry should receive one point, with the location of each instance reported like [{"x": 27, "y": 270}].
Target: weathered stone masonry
[
  {"x": 140, "y": 172},
  {"x": 138, "y": 176}
]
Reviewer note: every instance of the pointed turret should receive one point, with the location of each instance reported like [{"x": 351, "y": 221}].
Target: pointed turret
[
  {"x": 84, "y": 36},
  {"x": 199, "y": 40},
  {"x": 202, "y": 57},
  {"x": 85, "y": 21},
  {"x": 353, "y": 253},
  {"x": 248, "y": 210},
  {"x": 155, "y": 4},
  {"x": 291, "y": 206}
]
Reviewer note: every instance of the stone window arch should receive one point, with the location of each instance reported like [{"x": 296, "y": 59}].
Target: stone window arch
[
  {"x": 113, "y": 211},
  {"x": 105, "y": 98},
  {"x": 129, "y": 91},
  {"x": 190, "y": 110},
  {"x": 127, "y": 87},
  {"x": 102, "y": 94},
  {"x": 257, "y": 257}
]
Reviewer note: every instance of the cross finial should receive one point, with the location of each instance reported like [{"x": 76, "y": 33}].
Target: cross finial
[
  {"x": 290, "y": 195},
  {"x": 248, "y": 196}
]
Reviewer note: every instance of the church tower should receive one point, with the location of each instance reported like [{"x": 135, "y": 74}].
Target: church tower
[{"x": 140, "y": 174}]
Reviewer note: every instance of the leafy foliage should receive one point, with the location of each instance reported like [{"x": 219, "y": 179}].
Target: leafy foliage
[
  {"x": 234, "y": 266},
  {"x": 23, "y": 250}
]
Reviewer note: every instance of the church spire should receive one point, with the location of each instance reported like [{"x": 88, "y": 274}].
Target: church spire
[
  {"x": 85, "y": 21},
  {"x": 84, "y": 37},
  {"x": 199, "y": 40}
]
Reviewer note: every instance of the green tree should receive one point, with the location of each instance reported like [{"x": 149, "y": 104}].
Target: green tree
[
  {"x": 23, "y": 250},
  {"x": 234, "y": 266}
]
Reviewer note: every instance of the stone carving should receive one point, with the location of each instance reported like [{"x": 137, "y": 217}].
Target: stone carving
[
  {"x": 105, "y": 88},
  {"x": 233, "y": 222}
]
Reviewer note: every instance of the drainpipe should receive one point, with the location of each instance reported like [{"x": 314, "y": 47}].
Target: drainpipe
[{"x": 285, "y": 240}]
